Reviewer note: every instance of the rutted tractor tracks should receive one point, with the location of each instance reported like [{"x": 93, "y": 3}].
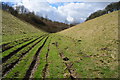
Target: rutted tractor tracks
[
  {"x": 34, "y": 62},
  {"x": 4, "y": 48},
  {"x": 4, "y": 59},
  {"x": 6, "y": 44},
  {"x": 10, "y": 66},
  {"x": 46, "y": 65},
  {"x": 37, "y": 63}
]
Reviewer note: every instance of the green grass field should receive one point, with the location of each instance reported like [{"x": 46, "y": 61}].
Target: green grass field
[{"x": 87, "y": 50}]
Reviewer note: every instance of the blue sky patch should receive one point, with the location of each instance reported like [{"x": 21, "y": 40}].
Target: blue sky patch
[{"x": 57, "y": 4}]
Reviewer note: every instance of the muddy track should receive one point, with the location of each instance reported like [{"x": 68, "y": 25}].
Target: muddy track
[
  {"x": 46, "y": 65},
  {"x": 4, "y": 48},
  {"x": 15, "y": 51},
  {"x": 10, "y": 66},
  {"x": 29, "y": 71},
  {"x": 37, "y": 63}
]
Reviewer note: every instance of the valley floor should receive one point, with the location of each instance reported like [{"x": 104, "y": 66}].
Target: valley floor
[{"x": 53, "y": 56}]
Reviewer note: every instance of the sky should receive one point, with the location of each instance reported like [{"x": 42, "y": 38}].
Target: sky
[{"x": 72, "y": 11}]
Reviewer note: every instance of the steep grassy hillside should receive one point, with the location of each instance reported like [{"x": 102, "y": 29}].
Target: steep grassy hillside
[
  {"x": 12, "y": 27},
  {"x": 98, "y": 38}
]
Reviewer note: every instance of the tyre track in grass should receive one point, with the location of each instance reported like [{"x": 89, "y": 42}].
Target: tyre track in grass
[
  {"x": 4, "y": 59},
  {"x": 37, "y": 71},
  {"x": 56, "y": 66},
  {"x": 69, "y": 64},
  {"x": 4, "y": 48},
  {"x": 35, "y": 58},
  {"x": 19, "y": 71},
  {"x": 46, "y": 65},
  {"x": 10, "y": 66},
  {"x": 5, "y": 44}
]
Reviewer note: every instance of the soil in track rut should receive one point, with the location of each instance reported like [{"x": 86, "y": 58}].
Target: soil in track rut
[
  {"x": 4, "y": 48},
  {"x": 29, "y": 71},
  {"x": 10, "y": 66},
  {"x": 37, "y": 63},
  {"x": 46, "y": 65},
  {"x": 4, "y": 59}
]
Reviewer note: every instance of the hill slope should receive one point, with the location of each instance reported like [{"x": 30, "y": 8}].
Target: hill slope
[
  {"x": 97, "y": 32},
  {"x": 13, "y": 27},
  {"x": 98, "y": 38}
]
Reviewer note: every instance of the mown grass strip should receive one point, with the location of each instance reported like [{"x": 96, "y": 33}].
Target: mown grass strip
[
  {"x": 18, "y": 56},
  {"x": 38, "y": 71},
  {"x": 19, "y": 71}
]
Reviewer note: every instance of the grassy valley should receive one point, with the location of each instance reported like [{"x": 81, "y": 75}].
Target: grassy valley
[{"x": 87, "y": 50}]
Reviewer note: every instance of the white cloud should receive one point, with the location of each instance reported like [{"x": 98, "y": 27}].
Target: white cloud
[
  {"x": 80, "y": 11},
  {"x": 70, "y": 12}
]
